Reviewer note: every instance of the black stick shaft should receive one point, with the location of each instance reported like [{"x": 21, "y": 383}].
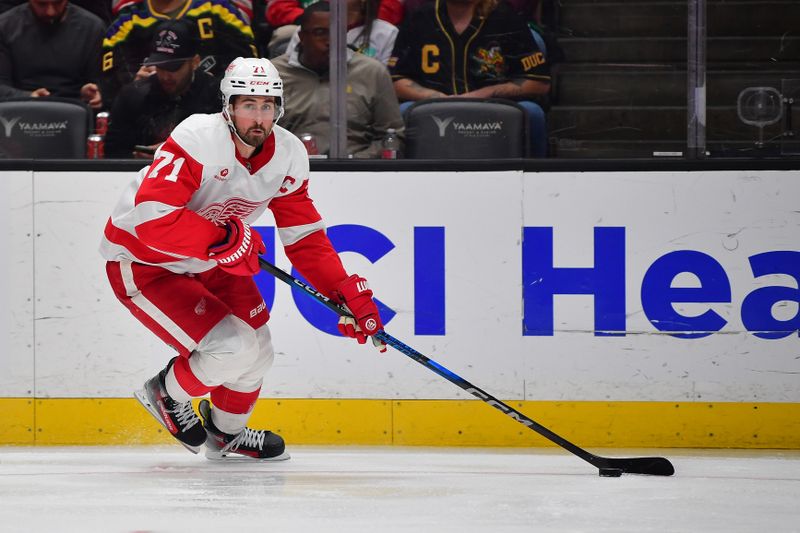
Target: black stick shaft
[{"x": 645, "y": 465}]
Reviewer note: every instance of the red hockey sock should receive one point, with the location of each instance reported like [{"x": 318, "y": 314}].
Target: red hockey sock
[
  {"x": 232, "y": 401},
  {"x": 187, "y": 380}
]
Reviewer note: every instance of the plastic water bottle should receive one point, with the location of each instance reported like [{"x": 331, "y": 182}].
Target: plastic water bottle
[{"x": 391, "y": 145}]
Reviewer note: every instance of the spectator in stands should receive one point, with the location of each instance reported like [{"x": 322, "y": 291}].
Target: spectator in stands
[
  {"x": 224, "y": 31},
  {"x": 146, "y": 111},
  {"x": 367, "y": 34},
  {"x": 471, "y": 48},
  {"x": 50, "y": 48},
  {"x": 371, "y": 36},
  {"x": 283, "y": 16},
  {"x": 101, "y": 8},
  {"x": 283, "y": 12},
  {"x": 542, "y": 12},
  {"x": 372, "y": 106},
  {"x": 246, "y": 7}
]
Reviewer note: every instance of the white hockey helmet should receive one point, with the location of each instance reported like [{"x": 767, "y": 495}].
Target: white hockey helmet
[{"x": 254, "y": 76}]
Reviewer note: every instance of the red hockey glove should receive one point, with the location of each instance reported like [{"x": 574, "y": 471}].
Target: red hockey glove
[
  {"x": 354, "y": 293},
  {"x": 238, "y": 253}
]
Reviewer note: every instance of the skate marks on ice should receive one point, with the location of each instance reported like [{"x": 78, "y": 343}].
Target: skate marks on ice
[{"x": 166, "y": 489}]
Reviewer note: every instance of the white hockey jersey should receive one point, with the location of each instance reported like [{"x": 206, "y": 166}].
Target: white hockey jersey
[{"x": 177, "y": 207}]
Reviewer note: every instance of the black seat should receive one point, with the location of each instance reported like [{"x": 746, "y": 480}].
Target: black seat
[
  {"x": 466, "y": 128},
  {"x": 44, "y": 128}
]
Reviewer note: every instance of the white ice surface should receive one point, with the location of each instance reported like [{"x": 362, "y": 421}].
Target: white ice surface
[{"x": 377, "y": 489}]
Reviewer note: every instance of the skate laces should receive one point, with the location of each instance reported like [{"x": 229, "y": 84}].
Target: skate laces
[
  {"x": 185, "y": 415},
  {"x": 248, "y": 438}
]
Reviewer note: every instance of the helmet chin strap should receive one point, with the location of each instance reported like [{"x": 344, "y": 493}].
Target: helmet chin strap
[{"x": 235, "y": 132}]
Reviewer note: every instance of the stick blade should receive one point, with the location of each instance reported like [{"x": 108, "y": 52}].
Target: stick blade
[{"x": 649, "y": 466}]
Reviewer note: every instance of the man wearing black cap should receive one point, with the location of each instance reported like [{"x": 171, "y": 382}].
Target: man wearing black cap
[
  {"x": 146, "y": 111},
  {"x": 223, "y": 30}
]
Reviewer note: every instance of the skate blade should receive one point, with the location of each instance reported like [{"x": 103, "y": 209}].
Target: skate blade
[
  {"x": 142, "y": 397},
  {"x": 214, "y": 455}
]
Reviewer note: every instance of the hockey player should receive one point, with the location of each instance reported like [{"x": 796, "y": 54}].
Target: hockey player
[{"x": 182, "y": 255}]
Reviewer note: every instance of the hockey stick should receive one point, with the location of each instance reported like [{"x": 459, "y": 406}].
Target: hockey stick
[{"x": 608, "y": 466}]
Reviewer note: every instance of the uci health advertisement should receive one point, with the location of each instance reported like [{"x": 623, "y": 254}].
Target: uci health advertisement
[{"x": 623, "y": 286}]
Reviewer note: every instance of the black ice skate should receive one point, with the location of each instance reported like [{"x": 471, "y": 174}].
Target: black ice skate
[
  {"x": 262, "y": 445},
  {"x": 178, "y": 418}
]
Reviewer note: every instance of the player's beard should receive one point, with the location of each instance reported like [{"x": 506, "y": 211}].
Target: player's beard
[{"x": 256, "y": 139}]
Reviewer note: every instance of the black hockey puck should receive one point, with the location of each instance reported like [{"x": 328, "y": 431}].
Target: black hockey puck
[{"x": 610, "y": 472}]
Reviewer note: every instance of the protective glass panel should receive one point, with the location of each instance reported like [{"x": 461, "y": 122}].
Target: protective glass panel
[
  {"x": 623, "y": 78},
  {"x": 753, "y": 55},
  {"x": 620, "y": 81}
]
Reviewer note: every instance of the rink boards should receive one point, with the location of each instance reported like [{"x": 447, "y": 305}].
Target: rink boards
[{"x": 619, "y": 309}]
